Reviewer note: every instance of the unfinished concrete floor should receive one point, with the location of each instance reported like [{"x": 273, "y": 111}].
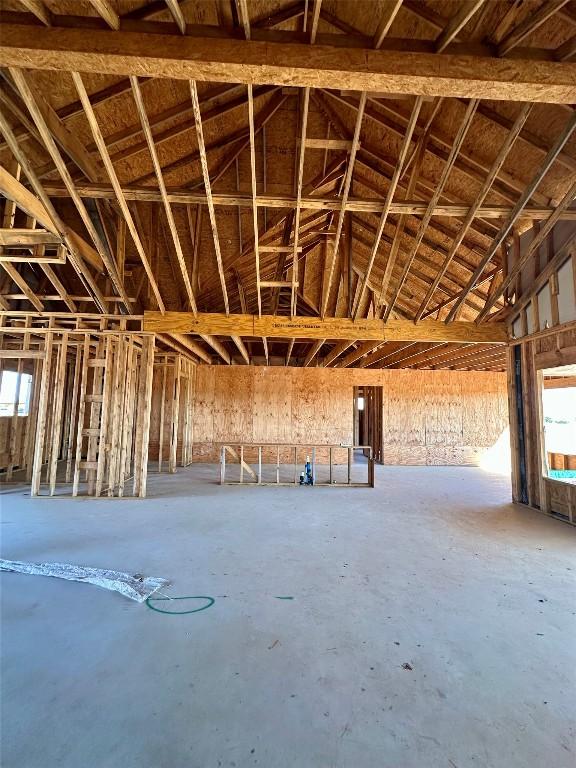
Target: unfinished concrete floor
[{"x": 432, "y": 625}]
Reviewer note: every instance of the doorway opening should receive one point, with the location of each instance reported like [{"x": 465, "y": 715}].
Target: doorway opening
[{"x": 368, "y": 421}]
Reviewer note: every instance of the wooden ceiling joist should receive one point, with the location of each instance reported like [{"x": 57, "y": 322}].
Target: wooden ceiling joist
[
  {"x": 141, "y": 109},
  {"x": 498, "y": 162},
  {"x": 460, "y": 136},
  {"x": 244, "y": 61},
  {"x": 105, "y": 9},
  {"x": 564, "y": 136},
  {"x": 355, "y": 204},
  {"x": 41, "y": 209},
  {"x": 208, "y": 190},
  {"x": 102, "y": 148},
  {"x": 345, "y": 192},
  {"x": 389, "y": 197},
  {"x": 39, "y": 9},
  {"x": 530, "y": 25},
  {"x": 36, "y": 113},
  {"x": 457, "y": 22}
]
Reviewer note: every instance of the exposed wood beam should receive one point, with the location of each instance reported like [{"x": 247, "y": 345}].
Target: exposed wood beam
[
  {"x": 141, "y": 109},
  {"x": 217, "y": 346},
  {"x": 23, "y": 285},
  {"x": 361, "y": 351},
  {"x": 241, "y": 348},
  {"x": 458, "y": 141},
  {"x": 439, "y": 145},
  {"x": 389, "y": 197},
  {"x": 337, "y": 350},
  {"x": 390, "y": 12},
  {"x": 314, "y": 349},
  {"x": 410, "y": 207},
  {"x": 289, "y": 351},
  {"x": 12, "y": 189},
  {"x": 39, "y": 9},
  {"x": 345, "y": 192},
  {"x": 223, "y": 60},
  {"x": 192, "y": 346},
  {"x": 254, "y": 188},
  {"x": 532, "y": 248},
  {"x": 219, "y": 324},
  {"x": 103, "y": 150},
  {"x": 315, "y": 17},
  {"x": 177, "y": 15},
  {"x": 208, "y": 189},
  {"x": 73, "y": 241},
  {"x": 457, "y": 22},
  {"x": 59, "y": 286},
  {"x": 382, "y": 352},
  {"x": 507, "y": 226},
  {"x": 498, "y": 162},
  {"x": 299, "y": 184},
  {"x": 68, "y": 142},
  {"x": 567, "y": 50},
  {"x": 401, "y": 222},
  {"x": 42, "y": 211},
  {"x": 104, "y": 9},
  {"x": 530, "y": 25}
]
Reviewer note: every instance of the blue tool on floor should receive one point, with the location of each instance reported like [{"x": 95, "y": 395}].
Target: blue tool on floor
[{"x": 306, "y": 477}]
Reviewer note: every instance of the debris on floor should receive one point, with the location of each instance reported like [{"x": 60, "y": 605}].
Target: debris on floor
[
  {"x": 150, "y": 600},
  {"x": 136, "y": 586}
]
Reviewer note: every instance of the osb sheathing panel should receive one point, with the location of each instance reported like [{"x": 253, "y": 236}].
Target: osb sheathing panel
[{"x": 429, "y": 417}]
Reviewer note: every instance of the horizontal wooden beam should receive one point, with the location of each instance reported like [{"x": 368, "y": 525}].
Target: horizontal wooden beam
[
  {"x": 355, "y": 204},
  {"x": 328, "y": 144},
  {"x": 22, "y": 354},
  {"x": 217, "y": 324},
  {"x": 23, "y": 238},
  {"x": 257, "y": 62}
]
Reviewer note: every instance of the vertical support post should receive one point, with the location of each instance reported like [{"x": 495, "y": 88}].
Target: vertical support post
[
  {"x": 241, "y": 464},
  {"x": 350, "y": 454},
  {"x": 57, "y": 424},
  {"x": 330, "y": 478},
  {"x": 143, "y": 421},
  {"x": 175, "y": 415},
  {"x": 277, "y": 465},
  {"x": 127, "y": 413},
  {"x": 162, "y": 410},
  {"x": 73, "y": 411},
  {"x": 259, "y": 465},
  {"x": 541, "y": 445},
  {"x": 103, "y": 444},
  {"x": 295, "y": 465},
  {"x": 222, "y": 464},
  {"x": 42, "y": 415}
]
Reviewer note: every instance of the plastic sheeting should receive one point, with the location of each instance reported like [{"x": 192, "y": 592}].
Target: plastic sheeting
[{"x": 136, "y": 586}]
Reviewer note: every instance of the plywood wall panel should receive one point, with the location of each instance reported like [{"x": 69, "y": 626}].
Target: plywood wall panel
[
  {"x": 404, "y": 409},
  {"x": 443, "y": 408},
  {"x": 233, "y": 404},
  {"x": 429, "y": 417},
  {"x": 204, "y": 405}
]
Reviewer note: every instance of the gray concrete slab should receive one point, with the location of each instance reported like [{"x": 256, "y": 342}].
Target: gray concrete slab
[{"x": 432, "y": 625}]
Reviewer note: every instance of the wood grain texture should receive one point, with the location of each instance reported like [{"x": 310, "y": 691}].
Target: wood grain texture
[
  {"x": 429, "y": 417},
  {"x": 248, "y": 61},
  {"x": 328, "y": 328}
]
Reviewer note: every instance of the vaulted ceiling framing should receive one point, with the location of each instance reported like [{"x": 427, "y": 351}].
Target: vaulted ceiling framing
[{"x": 317, "y": 158}]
